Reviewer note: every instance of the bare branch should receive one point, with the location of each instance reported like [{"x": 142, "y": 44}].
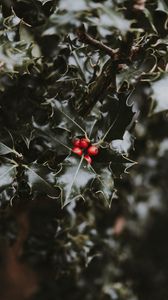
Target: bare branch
[{"x": 87, "y": 39}]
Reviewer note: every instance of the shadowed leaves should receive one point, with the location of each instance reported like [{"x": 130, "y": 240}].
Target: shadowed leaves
[
  {"x": 8, "y": 171},
  {"x": 41, "y": 179}
]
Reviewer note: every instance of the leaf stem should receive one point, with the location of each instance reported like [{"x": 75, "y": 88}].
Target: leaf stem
[
  {"x": 73, "y": 121},
  {"x": 87, "y": 39},
  {"x": 103, "y": 184},
  {"x": 107, "y": 132},
  {"x": 76, "y": 173},
  {"x": 62, "y": 144}
]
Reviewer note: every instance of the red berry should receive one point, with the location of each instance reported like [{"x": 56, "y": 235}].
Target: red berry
[
  {"x": 84, "y": 143},
  {"x": 76, "y": 143},
  {"x": 77, "y": 151},
  {"x": 93, "y": 150},
  {"x": 88, "y": 158}
]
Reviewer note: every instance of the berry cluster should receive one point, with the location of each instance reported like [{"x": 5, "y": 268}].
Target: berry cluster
[{"x": 83, "y": 146}]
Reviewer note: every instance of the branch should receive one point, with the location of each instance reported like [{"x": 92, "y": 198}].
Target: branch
[
  {"x": 106, "y": 80},
  {"x": 98, "y": 89},
  {"x": 87, "y": 39}
]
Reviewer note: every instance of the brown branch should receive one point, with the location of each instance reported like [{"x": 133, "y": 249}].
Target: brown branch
[
  {"x": 87, "y": 39},
  {"x": 106, "y": 80},
  {"x": 98, "y": 90}
]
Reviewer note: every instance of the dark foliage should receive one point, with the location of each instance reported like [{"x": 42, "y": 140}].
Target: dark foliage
[{"x": 93, "y": 70}]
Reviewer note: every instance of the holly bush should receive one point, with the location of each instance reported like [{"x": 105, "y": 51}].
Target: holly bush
[{"x": 83, "y": 146}]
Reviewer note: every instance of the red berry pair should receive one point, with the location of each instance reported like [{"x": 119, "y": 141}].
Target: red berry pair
[{"x": 80, "y": 145}]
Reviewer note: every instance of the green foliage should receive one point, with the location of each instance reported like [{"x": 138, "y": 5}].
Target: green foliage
[
  {"x": 56, "y": 121},
  {"x": 74, "y": 69},
  {"x": 15, "y": 54}
]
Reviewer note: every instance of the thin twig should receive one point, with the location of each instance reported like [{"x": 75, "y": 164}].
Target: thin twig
[{"x": 87, "y": 39}]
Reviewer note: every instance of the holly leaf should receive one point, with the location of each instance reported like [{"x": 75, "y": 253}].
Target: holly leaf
[
  {"x": 41, "y": 179},
  {"x": 116, "y": 115},
  {"x": 7, "y": 194},
  {"x": 117, "y": 163},
  {"x": 104, "y": 183},
  {"x": 160, "y": 92},
  {"x": 56, "y": 139},
  {"x": 162, "y": 5},
  {"x": 122, "y": 146},
  {"x": 4, "y": 149},
  {"x": 72, "y": 178},
  {"x": 66, "y": 117},
  {"x": 7, "y": 173},
  {"x": 142, "y": 70},
  {"x": 120, "y": 165},
  {"x": 16, "y": 54}
]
